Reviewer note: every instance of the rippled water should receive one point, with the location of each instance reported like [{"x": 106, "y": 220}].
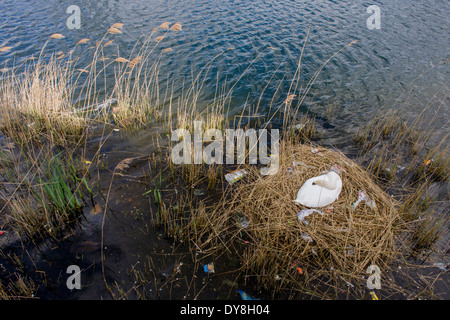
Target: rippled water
[{"x": 412, "y": 43}]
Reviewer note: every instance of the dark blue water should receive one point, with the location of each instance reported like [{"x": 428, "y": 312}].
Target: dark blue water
[{"x": 370, "y": 75}]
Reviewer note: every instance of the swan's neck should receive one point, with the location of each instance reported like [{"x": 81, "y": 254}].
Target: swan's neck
[{"x": 329, "y": 182}]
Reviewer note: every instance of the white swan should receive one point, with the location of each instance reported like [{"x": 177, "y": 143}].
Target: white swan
[{"x": 320, "y": 191}]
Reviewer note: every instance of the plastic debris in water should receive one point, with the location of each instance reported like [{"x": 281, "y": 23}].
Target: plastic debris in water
[
  {"x": 234, "y": 176},
  {"x": 209, "y": 268},
  {"x": 306, "y": 212},
  {"x": 299, "y": 163},
  {"x": 306, "y": 237},
  {"x": 363, "y": 197},
  {"x": 245, "y": 296},
  {"x": 349, "y": 284},
  {"x": 374, "y": 296}
]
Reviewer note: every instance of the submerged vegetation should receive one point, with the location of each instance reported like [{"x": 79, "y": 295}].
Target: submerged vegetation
[{"x": 51, "y": 113}]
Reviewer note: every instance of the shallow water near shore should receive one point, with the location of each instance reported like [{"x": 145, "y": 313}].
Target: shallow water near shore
[{"x": 360, "y": 82}]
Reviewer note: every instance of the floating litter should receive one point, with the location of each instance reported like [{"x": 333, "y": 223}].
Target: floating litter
[
  {"x": 306, "y": 212},
  {"x": 440, "y": 265}
]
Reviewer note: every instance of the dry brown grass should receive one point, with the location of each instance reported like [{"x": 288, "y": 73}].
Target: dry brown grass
[{"x": 345, "y": 240}]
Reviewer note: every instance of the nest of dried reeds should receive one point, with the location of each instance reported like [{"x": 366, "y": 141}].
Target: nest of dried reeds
[{"x": 260, "y": 218}]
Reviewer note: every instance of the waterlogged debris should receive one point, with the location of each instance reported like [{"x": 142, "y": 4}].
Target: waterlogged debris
[
  {"x": 363, "y": 197},
  {"x": 245, "y": 296},
  {"x": 209, "y": 268},
  {"x": 296, "y": 265},
  {"x": 235, "y": 176},
  {"x": 86, "y": 247},
  {"x": 121, "y": 59},
  {"x": 176, "y": 27},
  {"x": 229, "y": 283}
]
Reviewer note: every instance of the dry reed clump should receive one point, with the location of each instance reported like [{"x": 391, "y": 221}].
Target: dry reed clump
[
  {"x": 345, "y": 241},
  {"x": 37, "y": 103}
]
